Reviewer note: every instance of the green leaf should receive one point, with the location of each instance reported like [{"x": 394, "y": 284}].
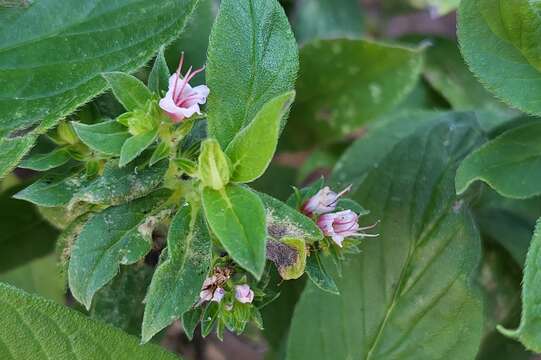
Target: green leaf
[
  {"x": 48, "y": 161},
  {"x": 284, "y": 221},
  {"x": 134, "y": 146},
  {"x": 13, "y": 150},
  {"x": 213, "y": 165},
  {"x": 105, "y": 137},
  {"x": 53, "y": 189},
  {"x": 437, "y": 7},
  {"x": 88, "y": 38},
  {"x": 118, "y": 235},
  {"x": 178, "y": 280},
  {"x": 40, "y": 277},
  {"x": 330, "y": 103},
  {"x": 324, "y": 19},
  {"x": 25, "y": 234},
  {"x": 237, "y": 217},
  {"x": 529, "y": 329},
  {"x": 120, "y": 303},
  {"x": 410, "y": 293},
  {"x": 446, "y": 72},
  {"x": 260, "y": 64},
  {"x": 252, "y": 149},
  {"x": 209, "y": 318},
  {"x": 119, "y": 185},
  {"x": 34, "y": 328},
  {"x": 380, "y": 138},
  {"x": 158, "y": 79},
  {"x": 500, "y": 42},
  {"x": 319, "y": 276},
  {"x": 190, "y": 320},
  {"x": 161, "y": 152},
  {"x": 510, "y": 159},
  {"x": 128, "y": 90},
  {"x": 289, "y": 256}
]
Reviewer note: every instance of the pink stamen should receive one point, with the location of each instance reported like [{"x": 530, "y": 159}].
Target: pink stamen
[
  {"x": 339, "y": 195},
  {"x": 187, "y": 77},
  {"x": 179, "y": 68}
]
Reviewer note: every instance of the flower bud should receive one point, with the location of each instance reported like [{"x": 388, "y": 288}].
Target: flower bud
[
  {"x": 323, "y": 202},
  {"x": 66, "y": 133},
  {"x": 213, "y": 165},
  {"x": 244, "y": 294}
]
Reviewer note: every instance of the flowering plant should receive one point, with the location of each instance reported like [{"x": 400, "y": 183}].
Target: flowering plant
[{"x": 184, "y": 172}]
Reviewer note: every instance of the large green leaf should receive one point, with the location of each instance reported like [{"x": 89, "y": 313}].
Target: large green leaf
[
  {"x": 178, "y": 280},
  {"x": 237, "y": 217},
  {"x": 500, "y": 42},
  {"x": 447, "y": 72},
  {"x": 33, "y": 328},
  {"x": 88, "y": 38},
  {"x": 118, "y": 235},
  {"x": 529, "y": 330},
  {"x": 345, "y": 83},
  {"x": 40, "y": 276},
  {"x": 410, "y": 293},
  {"x": 510, "y": 164},
  {"x": 252, "y": 149},
  {"x": 380, "y": 139},
  {"x": 323, "y": 19},
  {"x": 24, "y": 234},
  {"x": 119, "y": 185},
  {"x": 252, "y": 58}
]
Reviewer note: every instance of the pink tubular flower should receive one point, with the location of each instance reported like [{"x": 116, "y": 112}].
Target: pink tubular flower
[
  {"x": 209, "y": 291},
  {"x": 244, "y": 294},
  {"x": 181, "y": 100},
  {"x": 323, "y": 202},
  {"x": 342, "y": 224}
]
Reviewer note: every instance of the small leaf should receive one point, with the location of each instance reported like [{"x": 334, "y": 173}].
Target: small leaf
[
  {"x": 158, "y": 79},
  {"x": 237, "y": 217},
  {"x": 510, "y": 159},
  {"x": 161, "y": 152},
  {"x": 178, "y": 280},
  {"x": 252, "y": 149},
  {"x": 119, "y": 185},
  {"x": 36, "y": 328},
  {"x": 105, "y": 137},
  {"x": 117, "y": 235},
  {"x": 209, "y": 318},
  {"x": 190, "y": 319},
  {"x": 53, "y": 189},
  {"x": 134, "y": 146},
  {"x": 213, "y": 165},
  {"x": 319, "y": 276},
  {"x": 529, "y": 329},
  {"x": 44, "y": 162},
  {"x": 289, "y": 256},
  {"x": 128, "y": 90},
  {"x": 284, "y": 221},
  {"x": 246, "y": 73}
]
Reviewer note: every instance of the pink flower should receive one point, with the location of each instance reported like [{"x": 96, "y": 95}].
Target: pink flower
[
  {"x": 244, "y": 294},
  {"x": 323, "y": 202},
  {"x": 210, "y": 292},
  {"x": 342, "y": 224},
  {"x": 181, "y": 100}
]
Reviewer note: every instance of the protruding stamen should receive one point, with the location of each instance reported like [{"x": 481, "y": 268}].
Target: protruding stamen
[{"x": 179, "y": 69}]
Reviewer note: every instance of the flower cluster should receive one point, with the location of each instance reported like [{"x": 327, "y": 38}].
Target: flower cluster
[
  {"x": 337, "y": 225},
  {"x": 213, "y": 288}
]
